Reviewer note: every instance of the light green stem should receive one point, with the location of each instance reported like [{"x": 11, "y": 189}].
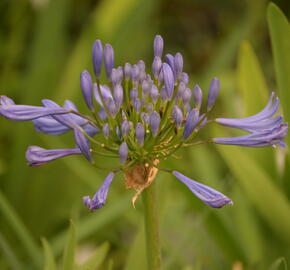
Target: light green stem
[{"x": 151, "y": 228}]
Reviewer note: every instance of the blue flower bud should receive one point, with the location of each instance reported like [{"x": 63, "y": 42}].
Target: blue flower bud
[
  {"x": 112, "y": 107},
  {"x": 127, "y": 71},
  {"x": 177, "y": 116},
  {"x": 168, "y": 79},
  {"x": 184, "y": 78},
  {"x": 197, "y": 94},
  {"x": 146, "y": 85},
  {"x": 178, "y": 63},
  {"x": 163, "y": 93},
  {"x": 156, "y": 66},
  {"x": 140, "y": 133},
  {"x": 106, "y": 130},
  {"x": 145, "y": 117},
  {"x": 108, "y": 59},
  {"x": 149, "y": 107},
  {"x": 213, "y": 92},
  {"x": 118, "y": 95},
  {"x": 87, "y": 88},
  {"x": 191, "y": 122},
  {"x": 133, "y": 94},
  {"x": 154, "y": 123},
  {"x": 154, "y": 93},
  {"x": 125, "y": 127},
  {"x": 97, "y": 57},
  {"x": 181, "y": 89},
  {"x": 141, "y": 65},
  {"x": 135, "y": 75},
  {"x": 115, "y": 77},
  {"x": 169, "y": 59},
  {"x": 137, "y": 104},
  {"x": 158, "y": 46},
  {"x": 123, "y": 152},
  {"x": 186, "y": 95},
  {"x": 120, "y": 73},
  {"x": 83, "y": 144}
]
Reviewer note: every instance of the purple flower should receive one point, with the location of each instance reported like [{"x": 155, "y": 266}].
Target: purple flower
[
  {"x": 158, "y": 46},
  {"x": 154, "y": 123},
  {"x": 186, "y": 96},
  {"x": 258, "y": 139},
  {"x": 178, "y": 64},
  {"x": 100, "y": 197},
  {"x": 177, "y": 116},
  {"x": 6, "y": 101},
  {"x": 83, "y": 144},
  {"x": 213, "y": 92},
  {"x": 140, "y": 134},
  {"x": 127, "y": 71},
  {"x": 191, "y": 122},
  {"x": 97, "y": 56},
  {"x": 108, "y": 59},
  {"x": 208, "y": 195},
  {"x": 118, "y": 95},
  {"x": 26, "y": 112},
  {"x": 125, "y": 128},
  {"x": 154, "y": 93},
  {"x": 156, "y": 66},
  {"x": 87, "y": 88},
  {"x": 197, "y": 94},
  {"x": 123, "y": 152},
  {"x": 170, "y": 61},
  {"x": 37, "y": 156}
]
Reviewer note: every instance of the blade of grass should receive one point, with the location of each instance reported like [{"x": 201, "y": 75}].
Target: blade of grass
[
  {"x": 49, "y": 262},
  {"x": 280, "y": 39},
  {"x": 69, "y": 251},
  {"x": 20, "y": 230}
]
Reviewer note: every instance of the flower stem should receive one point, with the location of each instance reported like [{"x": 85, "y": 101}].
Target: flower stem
[{"x": 151, "y": 228}]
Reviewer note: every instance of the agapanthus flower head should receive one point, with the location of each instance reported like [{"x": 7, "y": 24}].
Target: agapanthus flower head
[{"x": 142, "y": 119}]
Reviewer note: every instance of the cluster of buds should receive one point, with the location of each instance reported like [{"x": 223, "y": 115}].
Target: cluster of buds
[{"x": 142, "y": 119}]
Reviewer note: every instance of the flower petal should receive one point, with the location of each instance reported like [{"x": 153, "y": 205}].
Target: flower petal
[
  {"x": 206, "y": 194},
  {"x": 37, "y": 156},
  {"x": 100, "y": 197}
]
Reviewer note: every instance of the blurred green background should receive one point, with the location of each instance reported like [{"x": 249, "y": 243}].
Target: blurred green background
[{"x": 45, "y": 44}]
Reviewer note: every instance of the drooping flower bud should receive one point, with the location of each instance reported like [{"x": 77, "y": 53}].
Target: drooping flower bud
[
  {"x": 123, "y": 152},
  {"x": 178, "y": 63},
  {"x": 108, "y": 59},
  {"x": 87, "y": 88},
  {"x": 213, "y": 92},
  {"x": 197, "y": 94},
  {"x": 97, "y": 57},
  {"x": 177, "y": 116},
  {"x": 158, "y": 46},
  {"x": 168, "y": 79},
  {"x": 118, "y": 95},
  {"x": 156, "y": 66},
  {"x": 154, "y": 123},
  {"x": 140, "y": 133}
]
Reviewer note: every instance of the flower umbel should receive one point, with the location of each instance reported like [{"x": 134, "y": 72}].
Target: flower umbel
[{"x": 142, "y": 120}]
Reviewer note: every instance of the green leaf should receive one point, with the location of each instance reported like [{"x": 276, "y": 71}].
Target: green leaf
[
  {"x": 96, "y": 259},
  {"x": 49, "y": 262},
  {"x": 69, "y": 251},
  {"x": 251, "y": 81},
  {"x": 260, "y": 189},
  {"x": 280, "y": 39},
  {"x": 279, "y": 262}
]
